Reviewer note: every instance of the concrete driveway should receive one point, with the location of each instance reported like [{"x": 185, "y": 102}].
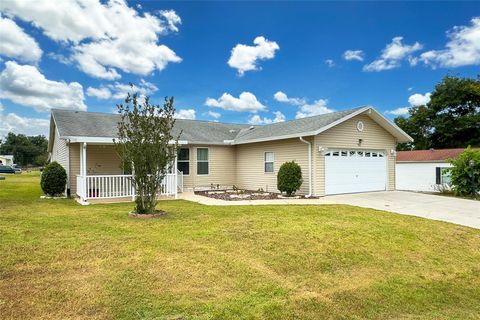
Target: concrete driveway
[{"x": 435, "y": 207}]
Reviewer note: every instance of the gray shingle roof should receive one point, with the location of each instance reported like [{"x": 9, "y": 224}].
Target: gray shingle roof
[
  {"x": 292, "y": 127},
  {"x": 95, "y": 124}
]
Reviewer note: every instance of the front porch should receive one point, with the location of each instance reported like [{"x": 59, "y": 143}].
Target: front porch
[{"x": 93, "y": 180}]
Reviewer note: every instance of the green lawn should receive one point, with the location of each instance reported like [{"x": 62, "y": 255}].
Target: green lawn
[{"x": 60, "y": 260}]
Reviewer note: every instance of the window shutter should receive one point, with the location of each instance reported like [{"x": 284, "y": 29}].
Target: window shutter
[{"x": 438, "y": 175}]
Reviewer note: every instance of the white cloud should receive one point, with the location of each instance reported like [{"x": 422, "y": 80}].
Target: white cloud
[
  {"x": 353, "y": 55},
  {"x": 105, "y": 37},
  {"x": 172, "y": 19},
  {"x": 462, "y": 49},
  {"x": 25, "y": 85},
  {"x": 418, "y": 99},
  {"x": 318, "y": 107},
  {"x": 15, "y": 43},
  {"x": 60, "y": 58},
  {"x": 214, "y": 114},
  {"x": 414, "y": 100},
  {"x": 185, "y": 114},
  {"x": 11, "y": 122},
  {"x": 257, "y": 120},
  {"x": 245, "y": 58},
  {"x": 100, "y": 93},
  {"x": 282, "y": 97},
  {"x": 246, "y": 102},
  {"x": 330, "y": 63},
  {"x": 120, "y": 90},
  {"x": 399, "y": 111},
  {"x": 392, "y": 55}
]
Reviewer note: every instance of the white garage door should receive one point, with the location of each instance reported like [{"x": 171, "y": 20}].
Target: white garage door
[{"x": 349, "y": 171}]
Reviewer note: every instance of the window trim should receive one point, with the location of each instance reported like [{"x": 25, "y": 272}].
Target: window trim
[
  {"x": 265, "y": 162},
  {"x": 188, "y": 148},
  {"x": 196, "y": 161}
]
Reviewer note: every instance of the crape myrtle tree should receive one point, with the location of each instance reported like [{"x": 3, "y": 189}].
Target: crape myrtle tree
[{"x": 145, "y": 140}]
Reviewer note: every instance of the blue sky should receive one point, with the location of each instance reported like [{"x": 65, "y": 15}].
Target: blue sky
[{"x": 227, "y": 61}]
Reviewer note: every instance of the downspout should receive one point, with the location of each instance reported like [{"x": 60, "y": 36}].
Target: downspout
[{"x": 309, "y": 166}]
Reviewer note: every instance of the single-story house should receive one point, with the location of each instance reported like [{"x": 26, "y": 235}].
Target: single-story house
[
  {"x": 340, "y": 152},
  {"x": 6, "y": 160},
  {"x": 424, "y": 170}
]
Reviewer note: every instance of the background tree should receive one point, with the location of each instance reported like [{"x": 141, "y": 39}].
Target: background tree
[
  {"x": 26, "y": 150},
  {"x": 145, "y": 140},
  {"x": 450, "y": 120}
]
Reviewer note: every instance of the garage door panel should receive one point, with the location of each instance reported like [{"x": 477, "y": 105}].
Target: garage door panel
[{"x": 353, "y": 171}]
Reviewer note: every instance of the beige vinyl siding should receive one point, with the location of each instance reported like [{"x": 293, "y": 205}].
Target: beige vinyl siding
[
  {"x": 74, "y": 150},
  {"x": 101, "y": 159},
  {"x": 250, "y": 163},
  {"x": 346, "y": 135},
  {"x": 222, "y": 163},
  {"x": 60, "y": 151}
]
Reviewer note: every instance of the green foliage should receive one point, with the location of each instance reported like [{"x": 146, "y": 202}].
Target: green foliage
[
  {"x": 144, "y": 140},
  {"x": 54, "y": 179},
  {"x": 25, "y": 149},
  {"x": 289, "y": 178},
  {"x": 450, "y": 120},
  {"x": 465, "y": 173}
]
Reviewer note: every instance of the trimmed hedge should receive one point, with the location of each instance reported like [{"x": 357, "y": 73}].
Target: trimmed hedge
[
  {"x": 54, "y": 179},
  {"x": 289, "y": 178}
]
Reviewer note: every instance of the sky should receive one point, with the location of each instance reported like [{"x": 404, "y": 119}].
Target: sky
[{"x": 240, "y": 62}]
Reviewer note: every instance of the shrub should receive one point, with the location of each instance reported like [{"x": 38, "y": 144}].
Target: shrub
[
  {"x": 289, "y": 178},
  {"x": 54, "y": 179},
  {"x": 465, "y": 173}
]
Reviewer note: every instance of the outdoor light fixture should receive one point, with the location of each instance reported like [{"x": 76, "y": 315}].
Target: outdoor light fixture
[{"x": 360, "y": 142}]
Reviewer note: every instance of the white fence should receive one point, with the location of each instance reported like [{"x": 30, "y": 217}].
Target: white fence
[{"x": 120, "y": 186}]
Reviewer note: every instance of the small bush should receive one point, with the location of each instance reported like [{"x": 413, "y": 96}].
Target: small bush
[
  {"x": 289, "y": 178},
  {"x": 54, "y": 179},
  {"x": 465, "y": 173}
]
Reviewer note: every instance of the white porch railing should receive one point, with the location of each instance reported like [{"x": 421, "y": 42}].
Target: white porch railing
[{"x": 118, "y": 186}]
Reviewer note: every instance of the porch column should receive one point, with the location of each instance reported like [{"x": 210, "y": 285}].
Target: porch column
[
  {"x": 175, "y": 170},
  {"x": 83, "y": 169},
  {"x": 133, "y": 185}
]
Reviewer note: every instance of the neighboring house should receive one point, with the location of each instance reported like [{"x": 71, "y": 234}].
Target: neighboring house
[
  {"x": 6, "y": 160},
  {"x": 341, "y": 152},
  {"x": 424, "y": 170}
]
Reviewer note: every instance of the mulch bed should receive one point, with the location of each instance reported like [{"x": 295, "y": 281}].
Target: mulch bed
[{"x": 232, "y": 195}]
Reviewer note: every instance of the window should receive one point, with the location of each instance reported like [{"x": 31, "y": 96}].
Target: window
[
  {"x": 442, "y": 176},
  {"x": 183, "y": 161},
  {"x": 202, "y": 161},
  {"x": 269, "y": 159}
]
